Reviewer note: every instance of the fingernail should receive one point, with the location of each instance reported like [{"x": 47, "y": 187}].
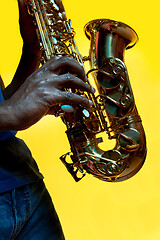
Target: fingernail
[
  {"x": 67, "y": 108},
  {"x": 86, "y": 79},
  {"x": 90, "y": 103},
  {"x": 93, "y": 89}
]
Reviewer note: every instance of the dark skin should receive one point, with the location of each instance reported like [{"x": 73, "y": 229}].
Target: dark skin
[{"x": 34, "y": 91}]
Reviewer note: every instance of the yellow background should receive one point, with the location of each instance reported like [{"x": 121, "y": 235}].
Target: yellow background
[{"x": 92, "y": 209}]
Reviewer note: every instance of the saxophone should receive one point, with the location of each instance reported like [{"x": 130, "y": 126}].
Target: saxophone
[{"x": 113, "y": 111}]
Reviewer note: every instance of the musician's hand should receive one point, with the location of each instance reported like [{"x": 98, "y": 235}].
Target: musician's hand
[{"x": 44, "y": 89}]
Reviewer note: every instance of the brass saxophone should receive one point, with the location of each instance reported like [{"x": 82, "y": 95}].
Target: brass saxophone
[{"x": 113, "y": 111}]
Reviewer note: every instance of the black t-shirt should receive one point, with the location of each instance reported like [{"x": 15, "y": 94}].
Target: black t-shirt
[{"x": 17, "y": 166}]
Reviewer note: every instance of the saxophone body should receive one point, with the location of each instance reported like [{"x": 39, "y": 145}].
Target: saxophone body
[{"x": 113, "y": 111}]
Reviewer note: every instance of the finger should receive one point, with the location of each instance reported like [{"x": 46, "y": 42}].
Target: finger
[
  {"x": 70, "y": 81},
  {"x": 65, "y": 108},
  {"x": 64, "y": 65},
  {"x": 72, "y": 99}
]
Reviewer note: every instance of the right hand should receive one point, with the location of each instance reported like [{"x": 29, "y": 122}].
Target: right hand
[{"x": 44, "y": 89}]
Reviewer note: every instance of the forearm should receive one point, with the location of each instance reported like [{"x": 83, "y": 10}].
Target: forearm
[
  {"x": 7, "y": 121},
  {"x": 28, "y": 64}
]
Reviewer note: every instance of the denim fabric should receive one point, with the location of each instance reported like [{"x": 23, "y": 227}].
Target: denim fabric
[{"x": 27, "y": 213}]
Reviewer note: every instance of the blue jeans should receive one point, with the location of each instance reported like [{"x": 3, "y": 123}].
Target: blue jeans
[{"x": 27, "y": 213}]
